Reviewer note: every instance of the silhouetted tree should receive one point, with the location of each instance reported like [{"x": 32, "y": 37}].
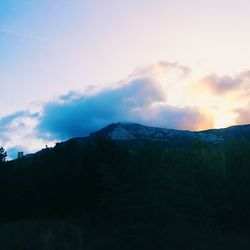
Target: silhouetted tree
[
  {"x": 20, "y": 155},
  {"x": 3, "y": 155}
]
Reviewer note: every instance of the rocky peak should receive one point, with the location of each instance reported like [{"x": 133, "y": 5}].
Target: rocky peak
[{"x": 133, "y": 131}]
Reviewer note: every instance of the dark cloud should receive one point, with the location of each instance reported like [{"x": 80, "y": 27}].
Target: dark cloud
[
  {"x": 140, "y": 100},
  {"x": 79, "y": 116}
]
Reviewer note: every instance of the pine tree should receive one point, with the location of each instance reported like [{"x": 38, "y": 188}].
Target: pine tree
[{"x": 3, "y": 155}]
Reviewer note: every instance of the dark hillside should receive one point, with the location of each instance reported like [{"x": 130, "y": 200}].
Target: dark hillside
[{"x": 98, "y": 193}]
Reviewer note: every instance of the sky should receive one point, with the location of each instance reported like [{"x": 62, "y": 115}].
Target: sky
[{"x": 68, "y": 68}]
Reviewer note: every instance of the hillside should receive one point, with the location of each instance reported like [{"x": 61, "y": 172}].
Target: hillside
[
  {"x": 129, "y": 186},
  {"x": 133, "y": 135},
  {"x": 134, "y": 131}
]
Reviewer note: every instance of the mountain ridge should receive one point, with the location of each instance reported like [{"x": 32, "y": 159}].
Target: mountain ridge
[
  {"x": 137, "y": 131},
  {"x": 132, "y": 135}
]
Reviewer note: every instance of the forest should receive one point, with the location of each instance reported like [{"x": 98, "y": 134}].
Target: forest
[{"x": 102, "y": 195}]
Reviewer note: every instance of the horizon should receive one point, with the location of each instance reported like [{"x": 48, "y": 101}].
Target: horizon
[{"x": 68, "y": 69}]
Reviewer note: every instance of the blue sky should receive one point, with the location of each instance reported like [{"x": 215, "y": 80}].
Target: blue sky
[{"x": 55, "y": 53}]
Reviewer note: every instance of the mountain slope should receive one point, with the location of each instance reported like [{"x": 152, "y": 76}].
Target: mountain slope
[
  {"x": 133, "y": 134},
  {"x": 134, "y": 131},
  {"x": 151, "y": 197}
]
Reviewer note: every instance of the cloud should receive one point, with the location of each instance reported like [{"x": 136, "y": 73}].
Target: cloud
[
  {"x": 162, "y": 68},
  {"x": 144, "y": 97},
  {"x": 243, "y": 115},
  {"x": 191, "y": 118},
  {"x": 140, "y": 100},
  {"x": 221, "y": 85},
  {"x": 162, "y": 94},
  {"x": 18, "y": 133}
]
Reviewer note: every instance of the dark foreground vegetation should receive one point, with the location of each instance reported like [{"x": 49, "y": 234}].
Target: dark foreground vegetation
[{"x": 104, "y": 196}]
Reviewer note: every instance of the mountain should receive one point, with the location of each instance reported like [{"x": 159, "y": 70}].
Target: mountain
[
  {"x": 93, "y": 193},
  {"x": 132, "y": 135},
  {"x": 133, "y": 132}
]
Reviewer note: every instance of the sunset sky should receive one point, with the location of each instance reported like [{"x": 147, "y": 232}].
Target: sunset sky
[{"x": 70, "y": 67}]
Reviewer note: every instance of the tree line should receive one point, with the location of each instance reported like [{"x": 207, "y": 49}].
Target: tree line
[{"x": 148, "y": 191}]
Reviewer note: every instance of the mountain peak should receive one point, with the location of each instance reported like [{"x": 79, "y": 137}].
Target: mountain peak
[
  {"x": 115, "y": 131},
  {"x": 132, "y": 131},
  {"x": 128, "y": 133},
  {"x": 133, "y": 134},
  {"x": 121, "y": 133}
]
